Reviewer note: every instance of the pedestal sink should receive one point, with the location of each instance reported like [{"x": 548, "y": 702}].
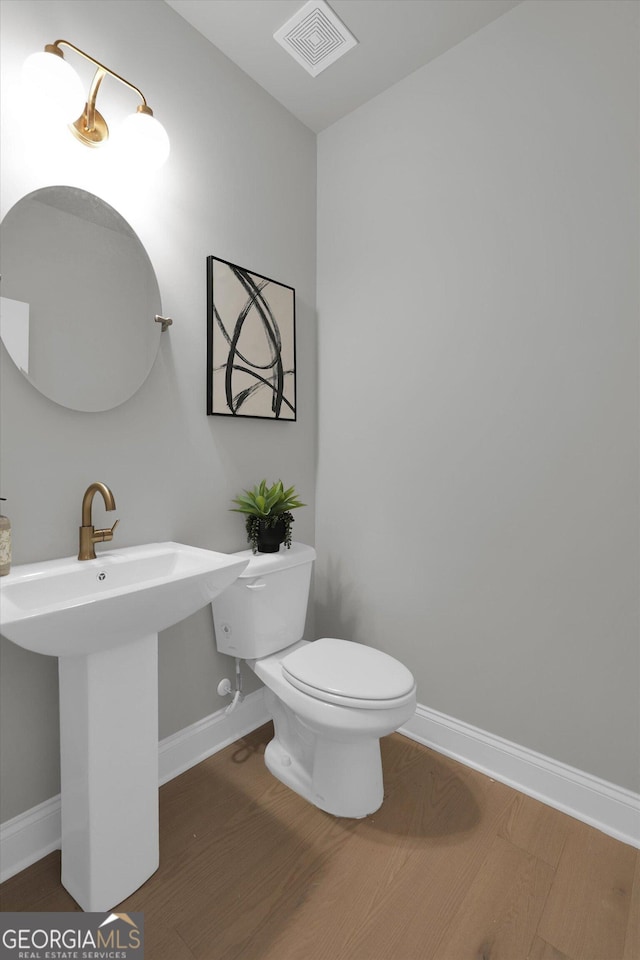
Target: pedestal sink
[{"x": 101, "y": 618}]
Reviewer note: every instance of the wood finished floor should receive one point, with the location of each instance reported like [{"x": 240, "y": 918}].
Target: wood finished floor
[{"x": 454, "y": 866}]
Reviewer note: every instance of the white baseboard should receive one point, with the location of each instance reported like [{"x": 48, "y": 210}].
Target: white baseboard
[
  {"x": 611, "y": 809},
  {"x": 29, "y": 836},
  {"x": 36, "y": 832},
  {"x": 605, "y": 806}
]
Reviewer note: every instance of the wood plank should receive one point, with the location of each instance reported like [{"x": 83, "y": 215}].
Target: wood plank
[
  {"x": 27, "y": 890},
  {"x": 632, "y": 938},
  {"x": 587, "y": 912},
  {"x": 499, "y": 915},
  {"x": 255, "y": 894},
  {"x": 536, "y": 828},
  {"x": 164, "y": 943},
  {"x": 541, "y": 950}
]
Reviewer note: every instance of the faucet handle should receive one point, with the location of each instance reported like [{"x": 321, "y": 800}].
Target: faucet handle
[{"x": 104, "y": 534}]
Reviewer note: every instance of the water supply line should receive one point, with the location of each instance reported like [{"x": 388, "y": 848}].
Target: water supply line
[{"x": 224, "y": 689}]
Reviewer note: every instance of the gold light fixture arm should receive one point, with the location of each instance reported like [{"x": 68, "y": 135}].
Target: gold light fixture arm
[
  {"x": 91, "y": 128},
  {"x": 89, "y": 115},
  {"x": 97, "y": 63}
]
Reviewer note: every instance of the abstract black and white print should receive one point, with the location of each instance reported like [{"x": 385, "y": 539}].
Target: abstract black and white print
[{"x": 251, "y": 344}]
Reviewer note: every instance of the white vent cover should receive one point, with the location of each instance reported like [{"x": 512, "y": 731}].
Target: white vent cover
[{"x": 315, "y": 37}]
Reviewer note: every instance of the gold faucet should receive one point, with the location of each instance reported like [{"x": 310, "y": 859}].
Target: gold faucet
[{"x": 88, "y": 534}]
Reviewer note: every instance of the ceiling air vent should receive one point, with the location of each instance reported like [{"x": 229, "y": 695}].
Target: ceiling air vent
[{"x": 315, "y": 37}]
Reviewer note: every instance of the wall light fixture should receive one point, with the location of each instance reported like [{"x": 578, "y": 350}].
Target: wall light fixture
[{"x": 56, "y": 87}]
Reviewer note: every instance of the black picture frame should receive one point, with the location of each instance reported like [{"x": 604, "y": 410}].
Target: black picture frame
[{"x": 251, "y": 344}]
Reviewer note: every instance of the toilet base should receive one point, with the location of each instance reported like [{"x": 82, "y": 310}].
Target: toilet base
[{"x": 341, "y": 777}]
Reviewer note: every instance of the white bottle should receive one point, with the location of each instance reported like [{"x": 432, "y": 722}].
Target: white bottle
[{"x": 5, "y": 544}]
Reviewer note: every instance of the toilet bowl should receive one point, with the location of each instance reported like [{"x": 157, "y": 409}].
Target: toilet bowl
[{"x": 330, "y": 699}]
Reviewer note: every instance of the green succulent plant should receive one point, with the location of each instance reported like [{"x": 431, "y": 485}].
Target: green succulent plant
[{"x": 267, "y": 505}]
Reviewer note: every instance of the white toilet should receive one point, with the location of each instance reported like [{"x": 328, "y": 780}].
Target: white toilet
[{"x": 331, "y": 700}]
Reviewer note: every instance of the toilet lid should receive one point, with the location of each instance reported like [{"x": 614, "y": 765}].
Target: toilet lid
[{"x": 341, "y": 670}]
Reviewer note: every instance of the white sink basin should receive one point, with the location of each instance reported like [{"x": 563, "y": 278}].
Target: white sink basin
[{"x": 74, "y": 608}]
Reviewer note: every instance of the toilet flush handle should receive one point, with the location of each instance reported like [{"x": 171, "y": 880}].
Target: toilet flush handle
[{"x": 256, "y": 586}]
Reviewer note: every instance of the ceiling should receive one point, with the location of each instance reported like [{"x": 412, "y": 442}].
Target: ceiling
[{"x": 395, "y": 37}]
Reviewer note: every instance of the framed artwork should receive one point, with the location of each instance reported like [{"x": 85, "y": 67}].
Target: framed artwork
[{"x": 251, "y": 344}]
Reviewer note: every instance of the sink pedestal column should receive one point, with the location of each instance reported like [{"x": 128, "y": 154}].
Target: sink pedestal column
[{"x": 109, "y": 771}]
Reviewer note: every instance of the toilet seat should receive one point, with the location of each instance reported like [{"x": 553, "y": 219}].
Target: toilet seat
[{"x": 348, "y": 674}]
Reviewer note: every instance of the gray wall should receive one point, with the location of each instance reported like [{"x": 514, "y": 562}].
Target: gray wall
[
  {"x": 478, "y": 356},
  {"x": 240, "y": 183}
]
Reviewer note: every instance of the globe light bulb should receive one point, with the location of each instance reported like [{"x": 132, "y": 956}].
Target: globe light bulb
[
  {"x": 143, "y": 141},
  {"x": 53, "y": 88}
]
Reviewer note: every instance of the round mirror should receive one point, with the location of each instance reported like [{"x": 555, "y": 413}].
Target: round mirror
[{"x": 79, "y": 299}]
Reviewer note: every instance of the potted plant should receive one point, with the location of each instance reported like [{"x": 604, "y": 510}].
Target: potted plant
[{"x": 268, "y": 515}]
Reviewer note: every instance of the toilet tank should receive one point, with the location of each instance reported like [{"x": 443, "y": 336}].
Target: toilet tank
[{"x": 265, "y": 609}]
